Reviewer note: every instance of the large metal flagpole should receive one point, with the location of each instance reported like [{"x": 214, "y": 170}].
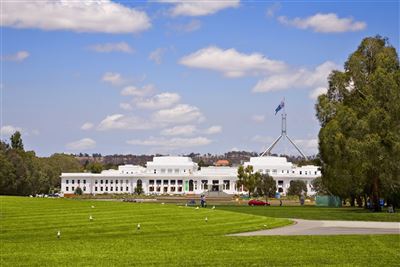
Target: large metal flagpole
[{"x": 283, "y": 134}]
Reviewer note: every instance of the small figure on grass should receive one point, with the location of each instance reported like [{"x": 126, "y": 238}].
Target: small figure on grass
[{"x": 58, "y": 234}]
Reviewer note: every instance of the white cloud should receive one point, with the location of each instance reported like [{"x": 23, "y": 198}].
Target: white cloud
[
  {"x": 258, "y": 118},
  {"x": 173, "y": 143},
  {"x": 325, "y": 23},
  {"x": 272, "y": 9},
  {"x": 232, "y": 63},
  {"x": 124, "y": 122},
  {"x": 297, "y": 78},
  {"x": 191, "y": 26},
  {"x": 213, "y": 129},
  {"x": 125, "y": 106},
  {"x": 163, "y": 100},
  {"x": 199, "y": 8},
  {"x": 156, "y": 55},
  {"x": 184, "y": 130},
  {"x": 83, "y": 144},
  {"x": 181, "y": 113},
  {"x": 9, "y": 130},
  {"x": 113, "y": 78},
  {"x": 87, "y": 126},
  {"x": 80, "y": 16},
  {"x": 17, "y": 57},
  {"x": 112, "y": 47},
  {"x": 135, "y": 91}
]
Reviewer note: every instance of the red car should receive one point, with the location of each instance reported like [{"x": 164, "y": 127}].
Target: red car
[{"x": 255, "y": 202}]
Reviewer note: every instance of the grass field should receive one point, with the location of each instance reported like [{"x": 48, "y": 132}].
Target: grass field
[
  {"x": 170, "y": 236},
  {"x": 315, "y": 213}
]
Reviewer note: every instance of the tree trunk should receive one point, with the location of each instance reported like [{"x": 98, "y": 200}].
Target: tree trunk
[
  {"x": 352, "y": 201},
  {"x": 375, "y": 194}
]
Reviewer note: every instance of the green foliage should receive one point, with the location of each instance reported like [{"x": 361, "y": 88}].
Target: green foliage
[
  {"x": 319, "y": 186},
  {"x": 266, "y": 186},
  {"x": 16, "y": 141},
  {"x": 248, "y": 178},
  {"x": 23, "y": 173},
  {"x": 94, "y": 167},
  {"x": 78, "y": 191},
  {"x": 297, "y": 188},
  {"x": 359, "y": 140}
]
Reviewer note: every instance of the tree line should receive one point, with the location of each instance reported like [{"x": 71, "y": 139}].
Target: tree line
[{"x": 23, "y": 173}]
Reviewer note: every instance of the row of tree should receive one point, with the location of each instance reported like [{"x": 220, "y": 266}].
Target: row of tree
[
  {"x": 359, "y": 140},
  {"x": 264, "y": 185},
  {"x": 23, "y": 173}
]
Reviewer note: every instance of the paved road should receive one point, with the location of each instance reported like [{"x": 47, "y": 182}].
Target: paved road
[{"x": 313, "y": 227}]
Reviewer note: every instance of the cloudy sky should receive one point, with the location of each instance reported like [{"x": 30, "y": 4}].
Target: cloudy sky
[{"x": 174, "y": 76}]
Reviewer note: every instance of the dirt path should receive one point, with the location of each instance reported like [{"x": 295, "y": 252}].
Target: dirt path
[{"x": 314, "y": 227}]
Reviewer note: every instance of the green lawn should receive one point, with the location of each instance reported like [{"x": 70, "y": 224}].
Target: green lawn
[
  {"x": 315, "y": 213},
  {"x": 170, "y": 236}
]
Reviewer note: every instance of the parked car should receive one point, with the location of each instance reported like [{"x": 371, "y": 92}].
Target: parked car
[{"x": 256, "y": 202}]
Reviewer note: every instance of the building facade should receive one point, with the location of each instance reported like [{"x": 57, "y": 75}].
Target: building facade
[{"x": 180, "y": 175}]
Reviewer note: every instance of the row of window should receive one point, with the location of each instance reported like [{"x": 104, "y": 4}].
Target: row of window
[
  {"x": 73, "y": 181},
  {"x": 165, "y": 182},
  {"x": 165, "y": 189},
  {"x": 111, "y": 181},
  {"x": 121, "y": 188},
  {"x": 275, "y": 171},
  {"x": 171, "y": 171},
  {"x": 73, "y": 188}
]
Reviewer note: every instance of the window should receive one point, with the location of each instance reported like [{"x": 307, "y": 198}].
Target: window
[
  {"x": 116, "y": 181},
  {"x": 176, "y": 170},
  {"x": 66, "y": 181},
  {"x": 180, "y": 182},
  {"x": 73, "y": 188},
  {"x": 306, "y": 173},
  {"x": 127, "y": 188},
  {"x": 275, "y": 171},
  {"x": 73, "y": 181},
  {"x": 179, "y": 189},
  {"x": 111, "y": 181},
  {"x": 84, "y": 188},
  {"x": 280, "y": 190},
  {"x": 158, "y": 189},
  {"x": 116, "y": 188},
  {"x": 95, "y": 181},
  {"x": 122, "y": 189},
  {"x": 151, "y": 189},
  {"x": 260, "y": 171},
  {"x": 315, "y": 172},
  {"x": 268, "y": 170},
  {"x": 165, "y": 181},
  {"x": 127, "y": 181},
  {"x": 300, "y": 172},
  {"x": 106, "y": 188},
  {"x": 95, "y": 188},
  {"x": 172, "y": 182},
  {"x": 121, "y": 181},
  {"x": 165, "y": 189},
  {"x": 280, "y": 182},
  {"x": 287, "y": 171},
  {"x": 204, "y": 184},
  {"x": 111, "y": 188},
  {"x": 66, "y": 188},
  {"x": 169, "y": 170},
  {"x": 101, "y": 181},
  {"x": 79, "y": 181},
  {"x": 282, "y": 171},
  {"x": 162, "y": 170},
  {"x": 158, "y": 182},
  {"x": 155, "y": 171},
  {"x": 173, "y": 188},
  {"x": 106, "y": 181},
  {"x": 101, "y": 188},
  {"x": 84, "y": 181},
  {"x": 227, "y": 184},
  {"x": 151, "y": 182}
]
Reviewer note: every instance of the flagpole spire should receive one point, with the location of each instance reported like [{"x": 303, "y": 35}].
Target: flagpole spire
[{"x": 283, "y": 132}]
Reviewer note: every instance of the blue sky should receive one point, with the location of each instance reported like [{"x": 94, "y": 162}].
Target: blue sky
[{"x": 175, "y": 77}]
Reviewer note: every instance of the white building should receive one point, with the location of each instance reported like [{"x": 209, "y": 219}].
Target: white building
[{"x": 180, "y": 175}]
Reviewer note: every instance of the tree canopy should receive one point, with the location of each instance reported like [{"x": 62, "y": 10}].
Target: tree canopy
[{"x": 359, "y": 139}]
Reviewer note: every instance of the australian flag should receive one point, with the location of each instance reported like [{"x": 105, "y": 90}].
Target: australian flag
[{"x": 281, "y": 105}]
